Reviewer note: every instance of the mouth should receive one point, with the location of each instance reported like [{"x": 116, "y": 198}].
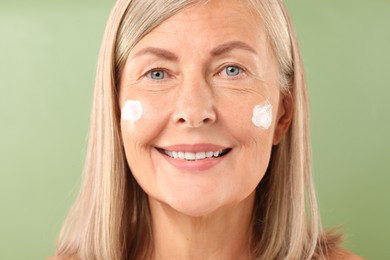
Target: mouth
[{"x": 194, "y": 156}]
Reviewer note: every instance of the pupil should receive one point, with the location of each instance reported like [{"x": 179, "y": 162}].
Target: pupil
[
  {"x": 157, "y": 74},
  {"x": 232, "y": 71}
]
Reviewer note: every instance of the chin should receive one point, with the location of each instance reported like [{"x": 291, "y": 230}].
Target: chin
[
  {"x": 195, "y": 206},
  {"x": 209, "y": 203},
  {"x": 195, "y": 211}
]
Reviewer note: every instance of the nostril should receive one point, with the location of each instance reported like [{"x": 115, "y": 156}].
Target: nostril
[
  {"x": 193, "y": 118},
  {"x": 206, "y": 120}
]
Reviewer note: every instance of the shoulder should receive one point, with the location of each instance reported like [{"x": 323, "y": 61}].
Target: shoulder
[
  {"x": 330, "y": 244},
  {"x": 345, "y": 255},
  {"x": 64, "y": 257}
]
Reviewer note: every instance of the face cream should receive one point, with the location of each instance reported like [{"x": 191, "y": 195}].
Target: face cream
[
  {"x": 262, "y": 115},
  {"x": 132, "y": 110}
]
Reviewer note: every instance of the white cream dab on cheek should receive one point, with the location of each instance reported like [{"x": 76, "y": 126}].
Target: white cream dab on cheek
[
  {"x": 132, "y": 110},
  {"x": 262, "y": 115}
]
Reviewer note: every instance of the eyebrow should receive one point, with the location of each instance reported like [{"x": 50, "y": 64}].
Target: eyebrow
[
  {"x": 217, "y": 51},
  {"x": 157, "y": 52},
  {"x": 229, "y": 46}
]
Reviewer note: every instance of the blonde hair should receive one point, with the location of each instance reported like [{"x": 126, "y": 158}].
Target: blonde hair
[{"x": 110, "y": 218}]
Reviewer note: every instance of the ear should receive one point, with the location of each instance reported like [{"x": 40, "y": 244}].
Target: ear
[{"x": 284, "y": 117}]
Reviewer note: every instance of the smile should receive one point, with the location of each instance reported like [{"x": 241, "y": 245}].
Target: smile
[{"x": 191, "y": 156}]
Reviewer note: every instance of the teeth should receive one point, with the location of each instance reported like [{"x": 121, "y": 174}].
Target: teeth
[
  {"x": 189, "y": 156},
  {"x": 209, "y": 154},
  {"x": 199, "y": 156},
  {"x": 192, "y": 156},
  {"x": 181, "y": 155}
]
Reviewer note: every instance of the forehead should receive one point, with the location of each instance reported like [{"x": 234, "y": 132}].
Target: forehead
[
  {"x": 212, "y": 11},
  {"x": 208, "y": 23}
]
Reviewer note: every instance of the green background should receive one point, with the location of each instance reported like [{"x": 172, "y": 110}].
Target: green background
[{"x": 48, "y": 54}]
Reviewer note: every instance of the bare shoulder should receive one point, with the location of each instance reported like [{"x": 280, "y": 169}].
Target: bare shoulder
[
  {"x": 346, "y": 255},
  {"x": 64, "y": 257}
]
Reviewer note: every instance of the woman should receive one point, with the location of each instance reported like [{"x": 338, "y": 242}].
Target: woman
[{"x": 199, "y": 140}]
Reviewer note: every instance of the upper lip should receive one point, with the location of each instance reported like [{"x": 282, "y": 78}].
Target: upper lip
[{"x": 194, "y": 148}]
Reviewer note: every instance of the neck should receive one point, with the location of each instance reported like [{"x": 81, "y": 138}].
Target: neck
[{"x": 224, "y": 234}]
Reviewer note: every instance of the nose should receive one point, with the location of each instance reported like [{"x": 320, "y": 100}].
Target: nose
[{"x": 194, "y": 104}]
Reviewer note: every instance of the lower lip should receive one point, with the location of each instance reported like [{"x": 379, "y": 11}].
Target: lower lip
[{"x": 195, "y": 165}]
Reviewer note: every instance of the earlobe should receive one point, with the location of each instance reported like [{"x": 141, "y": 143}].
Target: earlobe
[{"x": 284, "y": 117}]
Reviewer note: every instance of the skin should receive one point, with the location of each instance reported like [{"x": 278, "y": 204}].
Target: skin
[
  {"x": 342, "y": 255},
  {"x": 202, "y": 213}
]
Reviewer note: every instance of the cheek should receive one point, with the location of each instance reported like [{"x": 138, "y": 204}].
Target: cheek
[
  {"x": 141, "y": 123},
  {"x": 142, "y": 120},
  {"x": 262, "y": 115},
  {"x": 251, "y": 126},
  {"x": 249, "y": 120},
  {"x": 132, "y": 111}
]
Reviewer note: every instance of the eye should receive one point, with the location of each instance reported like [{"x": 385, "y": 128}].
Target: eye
[
  {"x": 157, "y": 74},
  {"x": 231, "y": 71}
]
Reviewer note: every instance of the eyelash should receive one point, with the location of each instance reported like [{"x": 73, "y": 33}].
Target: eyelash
[
  {"x": 241, "y": 71},
  {"x": 158, "y": 69},
  {"x": 220, "y": 71}
]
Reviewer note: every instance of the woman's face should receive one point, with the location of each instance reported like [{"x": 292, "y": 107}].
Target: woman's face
[{"x": 190, "y": 133}]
